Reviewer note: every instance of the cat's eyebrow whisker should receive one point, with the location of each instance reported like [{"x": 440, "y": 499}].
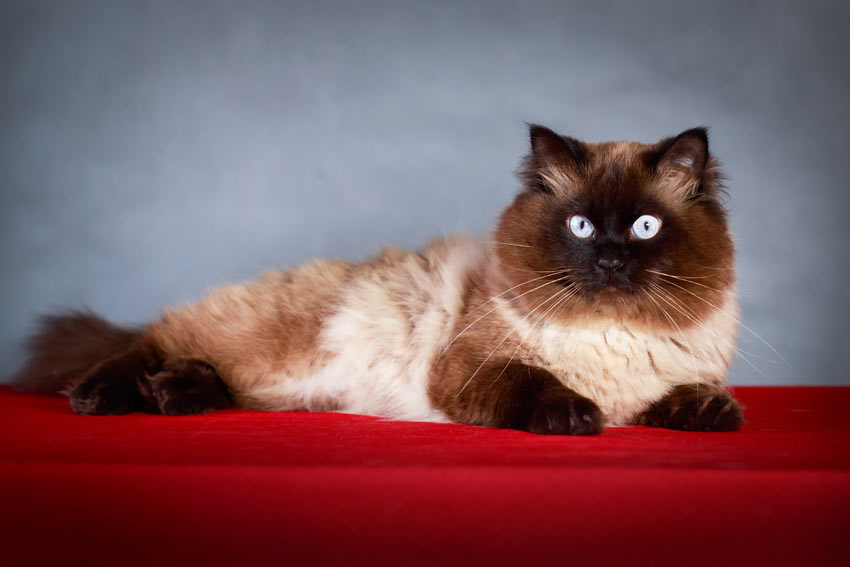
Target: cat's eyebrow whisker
[
  {"x": 736, "y": 319},
  {"x": 515, "y": 327},
  {"x": 445, "y": 348}
]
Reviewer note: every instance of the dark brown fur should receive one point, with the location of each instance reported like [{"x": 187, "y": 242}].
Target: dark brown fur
[
  {"x": 67, "y": 346},
  {"x": 136, "y": 380},
  {"x": 517, "y": 396},
  {"x": 695, "y": 407},
  {"x": 614, "y": 177}
]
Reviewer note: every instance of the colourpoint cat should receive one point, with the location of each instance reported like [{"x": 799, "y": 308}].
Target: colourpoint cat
[{"x": 604, "y": 296}]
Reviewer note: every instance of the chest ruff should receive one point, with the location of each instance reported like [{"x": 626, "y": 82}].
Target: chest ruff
[{"x": 624, "y": 369}]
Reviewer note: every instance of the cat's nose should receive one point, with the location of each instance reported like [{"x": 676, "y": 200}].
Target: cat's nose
[{"x": 609, "y": 262}]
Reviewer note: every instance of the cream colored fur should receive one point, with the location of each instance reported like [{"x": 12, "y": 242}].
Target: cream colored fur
[{"x": 624, "y": 368}]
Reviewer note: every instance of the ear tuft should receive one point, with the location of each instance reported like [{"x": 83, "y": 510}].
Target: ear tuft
[
  {"x": 681, "y": 161},
  {"x": 554, "y": 159},
  {"x": 550, "y": 147}
]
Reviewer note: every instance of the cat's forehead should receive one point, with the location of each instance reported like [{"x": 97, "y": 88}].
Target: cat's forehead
[
  {"x": 615, "y": 168},
  {"x": 603, "y": 152},
  {"x": 616, "y": 158},
  {"x": 618, "y": 172}
]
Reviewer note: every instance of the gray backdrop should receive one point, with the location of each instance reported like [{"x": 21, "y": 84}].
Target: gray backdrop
[{"x": 152, "y": 150}]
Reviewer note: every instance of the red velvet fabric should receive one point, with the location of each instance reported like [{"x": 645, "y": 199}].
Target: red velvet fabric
[{"x": 291, "y": 488}]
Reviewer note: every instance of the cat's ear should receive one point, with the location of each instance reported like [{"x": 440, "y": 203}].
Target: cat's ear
[
  {"x": 681, "y": 162},
  {"x": 551, "y": 148},
  {"x": 554, "y": 161}
]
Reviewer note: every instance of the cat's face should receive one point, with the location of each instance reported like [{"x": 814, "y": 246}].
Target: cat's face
[{"x": 622, "y": 230}]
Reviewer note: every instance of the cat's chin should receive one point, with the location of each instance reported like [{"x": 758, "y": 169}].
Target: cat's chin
[
  {"x": 613, "y": 301},
  {"x": 612, "y": 292}
]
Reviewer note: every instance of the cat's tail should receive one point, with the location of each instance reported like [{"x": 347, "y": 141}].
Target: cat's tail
[{"x": 66, "y": 347}]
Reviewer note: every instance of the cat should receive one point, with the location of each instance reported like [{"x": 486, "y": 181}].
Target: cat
[{"x": 604, "y": 296}]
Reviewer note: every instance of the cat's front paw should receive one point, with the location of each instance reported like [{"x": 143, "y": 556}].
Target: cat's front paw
[
  {"x": 563, "y": 412},
  {"x": 694, "y": 407}
]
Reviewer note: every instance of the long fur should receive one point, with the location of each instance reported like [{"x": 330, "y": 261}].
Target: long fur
[
  {"x": 520, "y": 330},
  {"x": 66, "y": 347}
]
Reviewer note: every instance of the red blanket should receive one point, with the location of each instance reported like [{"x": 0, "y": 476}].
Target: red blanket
[{"x": 292, "y": 488}]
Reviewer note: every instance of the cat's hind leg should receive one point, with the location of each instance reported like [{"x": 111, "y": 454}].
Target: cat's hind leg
[
  {"x": 136, "y": 380},
  {"x": 188, "y": 388},
  {"x": 114, "y": 385}
]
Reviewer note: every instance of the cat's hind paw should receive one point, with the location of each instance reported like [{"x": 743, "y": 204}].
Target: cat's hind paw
[
  {"x": 106, "y": 391},
  {"x": 189, "y": 388}
]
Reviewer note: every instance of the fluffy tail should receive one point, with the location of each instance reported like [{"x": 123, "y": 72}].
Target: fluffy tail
[{"x": 66, "y": 347}]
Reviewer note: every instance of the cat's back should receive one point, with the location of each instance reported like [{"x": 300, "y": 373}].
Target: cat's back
[
  {"x": 251, "y": 328},
  {"x": 333, "y": 335}
]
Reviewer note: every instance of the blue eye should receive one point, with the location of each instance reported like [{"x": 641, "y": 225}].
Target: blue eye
[
  {"x": 581, "y": 227},
  {"x": 646, "y": 226}
]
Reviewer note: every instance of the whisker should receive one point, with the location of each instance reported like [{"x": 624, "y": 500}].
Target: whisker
[
  {"x": 736, "y": 319},
  {"x": 544, "y": 272},
  {"x": 741, "y": 352},
  {"x": 662, "y": 294},
  {"x": 684, "y": 279},
  {"x": 561, "y": 269},
  {"x": 760, "y": 357},
  {"x": 756, "y": 368},
  {"x": 681, "y": 277},
  {"x": 492, "y": 352},
  {"x": 548, "y": 275},
  {"x": 715, "y": 268},
  {"x": 496, "y": 307},
  {"x": 565, "y": 294},
  {"x": 684, "y": 338}
]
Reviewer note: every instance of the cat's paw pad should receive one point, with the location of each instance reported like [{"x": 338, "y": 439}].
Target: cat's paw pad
[
  {"x": 105, "y": 393},
  {"x": 565, "y": 413},
  {"x": 189, "y": 389}
]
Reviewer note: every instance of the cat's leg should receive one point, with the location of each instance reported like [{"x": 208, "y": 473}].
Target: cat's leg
[
  {"x": 137, "y": 380},
  {"x": 517, "y": 396},
  {"x": 112, "y": 387},
  {"x": 694, "y": 407},
  {"x": 188, "y": 388}
]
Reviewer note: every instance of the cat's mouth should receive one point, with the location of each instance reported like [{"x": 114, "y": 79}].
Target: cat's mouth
[{"x": 613, "y": 287}]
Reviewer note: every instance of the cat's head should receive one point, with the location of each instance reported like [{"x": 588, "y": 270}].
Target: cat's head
[{"x": 618, "y": 229}]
